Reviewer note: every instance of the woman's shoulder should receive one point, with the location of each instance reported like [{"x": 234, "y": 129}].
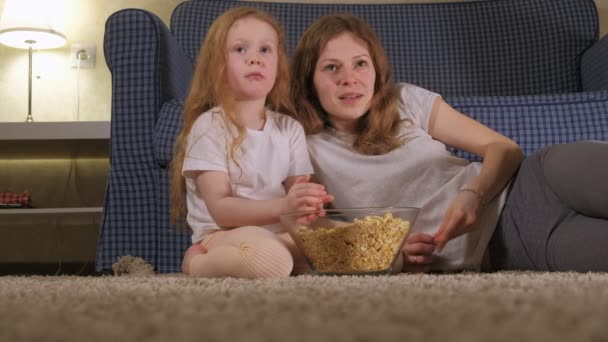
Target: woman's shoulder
[
  {"x": 410, "y": 92},
  {"x": 416, "y": 102}
]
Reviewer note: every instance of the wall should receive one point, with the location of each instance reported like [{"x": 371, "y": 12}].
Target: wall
[
  {"x": 49, "y": 170},
  {"x": 602, "y": 6},
  {"x": 55, "y": 82}
]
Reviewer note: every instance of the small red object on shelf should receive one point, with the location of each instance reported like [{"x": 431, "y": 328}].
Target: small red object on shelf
[{"x": 14, "y": 200}]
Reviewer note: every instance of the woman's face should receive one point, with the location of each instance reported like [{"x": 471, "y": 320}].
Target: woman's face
[{"x": 344, "y": 80}]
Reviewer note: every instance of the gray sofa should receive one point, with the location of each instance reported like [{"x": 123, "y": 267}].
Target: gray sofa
[{"x": 534, "y": 70}]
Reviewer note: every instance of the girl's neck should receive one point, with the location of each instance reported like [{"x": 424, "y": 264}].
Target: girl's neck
[{"x": 252, "y": 113}]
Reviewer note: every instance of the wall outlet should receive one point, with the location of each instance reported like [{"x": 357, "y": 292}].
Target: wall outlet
[{"x": 85, "y": 52}]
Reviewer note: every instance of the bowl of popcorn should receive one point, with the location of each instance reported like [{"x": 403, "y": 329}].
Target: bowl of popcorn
[{"x": 351, "y": 241}]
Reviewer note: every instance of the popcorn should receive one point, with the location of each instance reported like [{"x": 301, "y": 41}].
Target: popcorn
[{"x": 366, "y": 245}]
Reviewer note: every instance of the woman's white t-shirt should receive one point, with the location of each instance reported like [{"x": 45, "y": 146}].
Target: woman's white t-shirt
[
  {"x": 422, "y": 173},
  {"x": 266, "y": 158}
]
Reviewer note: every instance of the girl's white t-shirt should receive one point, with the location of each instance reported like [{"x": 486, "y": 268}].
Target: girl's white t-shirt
[
  {"x": 266, "y": 158},
  {"x": 422, "y": 173}
]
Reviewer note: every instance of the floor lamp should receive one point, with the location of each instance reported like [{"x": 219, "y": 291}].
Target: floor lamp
[{"x": 28, "y": 24}]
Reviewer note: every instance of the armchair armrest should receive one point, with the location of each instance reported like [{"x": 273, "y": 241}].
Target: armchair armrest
[
  {"x": 149, "y": 68},
  {"x": 594, "y": 66}
]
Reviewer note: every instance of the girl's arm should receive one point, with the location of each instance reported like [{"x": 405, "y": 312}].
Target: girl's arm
[
  {"x": 501, "y": 158},
  {"x": 229, "y": 211}
]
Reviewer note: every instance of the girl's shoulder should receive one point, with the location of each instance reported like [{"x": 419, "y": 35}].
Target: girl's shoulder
[{"x": 210, "y": 121}]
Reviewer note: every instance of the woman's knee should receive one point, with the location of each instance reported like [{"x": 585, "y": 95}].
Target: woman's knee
[{"x": 576, "y": 173}]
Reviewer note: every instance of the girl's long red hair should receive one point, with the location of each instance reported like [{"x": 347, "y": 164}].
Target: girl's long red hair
[{"x": 209, "y": 88}]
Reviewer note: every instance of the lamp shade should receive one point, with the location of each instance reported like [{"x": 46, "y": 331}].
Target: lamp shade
[{"x": 32, "y": 23}]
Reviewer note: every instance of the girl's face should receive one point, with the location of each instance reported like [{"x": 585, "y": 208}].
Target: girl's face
[
  {"x": 344, "y": 80},
  {"x": 252, "y": 58}
]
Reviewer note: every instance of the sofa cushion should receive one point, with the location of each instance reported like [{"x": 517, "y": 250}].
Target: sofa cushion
[
  {"x": 531, "y": 121},
  {"x": 537, "y": 121},
  {"x": 481, "y": 48}
]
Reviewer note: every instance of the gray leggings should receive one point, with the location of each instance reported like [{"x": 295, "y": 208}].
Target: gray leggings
[{"x": 556, "y": 214}]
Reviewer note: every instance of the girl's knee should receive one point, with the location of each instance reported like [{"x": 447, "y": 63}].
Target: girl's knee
[
  {"x": 265, "y": 258},
  {"x": 245, "y": 252}
]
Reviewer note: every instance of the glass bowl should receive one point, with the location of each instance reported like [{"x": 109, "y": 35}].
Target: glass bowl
[{"x": 351, "y": 241}]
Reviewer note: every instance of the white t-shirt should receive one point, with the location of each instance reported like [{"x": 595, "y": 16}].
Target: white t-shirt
[
  {"x": 266, "y": 157},
  {"x": 422, "y": 173}
]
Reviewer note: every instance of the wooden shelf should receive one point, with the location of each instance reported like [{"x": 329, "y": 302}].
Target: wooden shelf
[
  {"x": 44, "y": 140},
  {"x": 51, "y": 211},
  {"x": 24, "y": 142},
  {"x": 64, "y": 130}
]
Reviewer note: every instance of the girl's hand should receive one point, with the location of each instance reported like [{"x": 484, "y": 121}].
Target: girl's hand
[
  {"x": 418, "y": 253},
  {"x": 306, "y": 196},
  {"x": 459, "y": 218}
]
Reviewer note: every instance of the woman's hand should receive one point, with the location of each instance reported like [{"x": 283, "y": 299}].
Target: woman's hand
[
  {"x": 418, "y": 253},
  {"x": 459, "y": 218}
]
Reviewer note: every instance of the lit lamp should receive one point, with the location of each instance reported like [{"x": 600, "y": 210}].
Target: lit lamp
[{"x": 31, "y": 24}]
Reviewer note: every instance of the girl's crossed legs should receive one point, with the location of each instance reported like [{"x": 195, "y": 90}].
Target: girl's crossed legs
[{"x": 245, "y": 252}]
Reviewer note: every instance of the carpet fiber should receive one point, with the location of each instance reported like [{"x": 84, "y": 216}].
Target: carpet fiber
[{"x": 459, "y": 307}]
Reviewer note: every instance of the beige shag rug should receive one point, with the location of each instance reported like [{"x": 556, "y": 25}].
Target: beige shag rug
[{"x": 512, "y": 307}]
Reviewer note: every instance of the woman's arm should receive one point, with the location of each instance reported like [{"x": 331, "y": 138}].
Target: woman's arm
[
  {"x": 229, "y": 211},
  {"x": 501, "y": 155},
  {"x": 501, "y": 158}
]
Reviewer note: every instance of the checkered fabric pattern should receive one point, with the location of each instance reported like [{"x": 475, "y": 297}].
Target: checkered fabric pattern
[
  {"x": 11, "y": 198},
  {"x": 540, "y": 120},
  {"x": 168, "y": 127},
  {"x": 479, "y": 48},
  {"x": 480, "y": 55},
  {"x": 135, "y": 220},
  {"x": 594, "y": 66}
]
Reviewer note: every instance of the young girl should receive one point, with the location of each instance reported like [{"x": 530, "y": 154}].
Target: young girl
[{"x": 240, "y": 164}]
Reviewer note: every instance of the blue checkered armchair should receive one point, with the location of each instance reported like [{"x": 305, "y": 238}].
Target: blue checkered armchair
[{"x": 534, "y": 70}]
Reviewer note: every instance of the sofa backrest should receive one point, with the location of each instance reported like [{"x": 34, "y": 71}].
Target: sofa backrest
[{"x": 475, "y": 48}]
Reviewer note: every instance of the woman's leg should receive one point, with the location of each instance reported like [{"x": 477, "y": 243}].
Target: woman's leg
[
  {"x": 579, "y": 243},
  {"x": 528, "y": 217},
  {"x": 539, "y": 220},
  {"x": 578, "y": 174},
  {"x": 245, "y": 252}
]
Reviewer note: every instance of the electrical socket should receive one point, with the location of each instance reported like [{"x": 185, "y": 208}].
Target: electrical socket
[{"x": 86, "y": 53}]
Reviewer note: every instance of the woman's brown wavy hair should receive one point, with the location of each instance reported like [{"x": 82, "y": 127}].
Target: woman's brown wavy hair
[
  {"x": 210, "y": 88},
  {"x": 378, "y": 129}
]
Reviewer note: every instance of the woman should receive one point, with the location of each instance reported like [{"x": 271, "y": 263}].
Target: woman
[{"x": 375, "y": 143}]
